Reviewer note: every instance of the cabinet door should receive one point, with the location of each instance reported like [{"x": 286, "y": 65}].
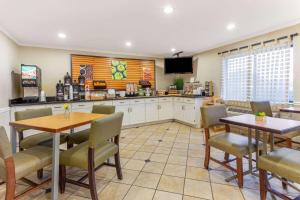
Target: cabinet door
[
  {"x": 151, "y": 112},
  {"x": 165, "y": 110},
  {"x": 125, "y": 110},
  {"x": 178, "y": 111},
  {"x": 85, "y": 108},
  {"x": 137, "y": 113},
  {"x": 189, "y": 113}
]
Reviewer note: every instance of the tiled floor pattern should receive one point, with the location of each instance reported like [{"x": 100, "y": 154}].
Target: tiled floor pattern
[{"x": 161, "y": 162}]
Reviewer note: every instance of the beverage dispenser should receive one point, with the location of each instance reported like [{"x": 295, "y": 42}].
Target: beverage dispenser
[{"x": 31, "y": 82}]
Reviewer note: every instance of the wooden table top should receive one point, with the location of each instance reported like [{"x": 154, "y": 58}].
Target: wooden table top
[
  {"x": 291, "y": 109},
  {"x": 57, "y": 123},
  {"x": 271, "y": 124}
]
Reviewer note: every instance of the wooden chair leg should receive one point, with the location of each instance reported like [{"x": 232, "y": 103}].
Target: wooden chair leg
[
  {"x": 283, "y": 182},
  {"x": 226, "y": 156},
  {"x": 11, "y": 179},
  {"x": 92, "y": 183},
  {"x": 289, "y": 143},
  {"x": 39, "y": 174},
  {"x": 118, "y": 166},
  {"x": 62, "y": 178},
  {"x": 239, "y": 171},
  {"x": 207, "y": 156},
  {"x": 263, "y": 184}
]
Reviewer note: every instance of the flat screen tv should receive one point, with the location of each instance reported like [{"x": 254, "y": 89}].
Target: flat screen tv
[{"x": 181, "y": 65}]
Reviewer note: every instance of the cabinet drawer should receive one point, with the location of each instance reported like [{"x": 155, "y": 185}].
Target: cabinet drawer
[
  {"x": 81, "y": 105},
  {"x": 286, "y": 115},
  {"x": 121, "y": 102},
  {"x": 151, "y": 100},
  {"x": 137, "y": 101},
  {"x": 165, "y": 99},
  {"x": 188, "y": 100},
  {"x": 21, "y": 108},
  {"x": 178, "y": 99},
  {"x": 296, "y": 116},
  {"x": 109, "y": 103},
  {"x": 57, "y": 107}
]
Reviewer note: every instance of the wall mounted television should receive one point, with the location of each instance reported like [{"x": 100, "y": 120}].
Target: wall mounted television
[{"x": 179, "y": 65}]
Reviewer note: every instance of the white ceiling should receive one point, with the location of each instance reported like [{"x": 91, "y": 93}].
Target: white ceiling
[{"x": 105, "y": 25}]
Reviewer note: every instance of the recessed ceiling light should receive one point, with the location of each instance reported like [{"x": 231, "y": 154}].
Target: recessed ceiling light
[
  {"x": 173, "y": 49},
  {"x": 61, "y": 35},
  {"x": 168, "y": 9},
  {"x": 230, "y": 26},
  {"x": 128, "y": 44}
]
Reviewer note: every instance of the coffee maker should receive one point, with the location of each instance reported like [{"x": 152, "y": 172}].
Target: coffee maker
[{"x": 31, "y": 82}]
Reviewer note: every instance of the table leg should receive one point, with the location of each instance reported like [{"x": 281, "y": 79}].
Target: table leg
[
  {"x": 55, "y": 166},
  {"x": 271, "y": 141},
  {"x": 265, "y": 143},
  {"x": 13, "y": 139},
  {"x": 257, "y": 146},
  {"x": 249, "y": 146}
]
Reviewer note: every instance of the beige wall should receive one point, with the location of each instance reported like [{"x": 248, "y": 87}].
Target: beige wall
[
  {"x": 209, "y": 63},
  {"x": 9, "y": 54}
]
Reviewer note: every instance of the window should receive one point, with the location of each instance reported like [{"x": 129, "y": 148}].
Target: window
[{"x": 265, "y": 74}]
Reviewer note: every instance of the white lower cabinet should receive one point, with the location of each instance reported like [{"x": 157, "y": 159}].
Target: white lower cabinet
[
  {"x": 125, "y": 110},
  {"x": 165, "y": 110},
  {"x": 151, "y": 112},
  {"x": 137, "y": 111}
]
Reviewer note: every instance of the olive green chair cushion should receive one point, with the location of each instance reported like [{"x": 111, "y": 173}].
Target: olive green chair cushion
[
  {"x": 232, "y": 143},
  {"x": 44, "y": 139},
  {"x": 26, "y": 161},
  {"x": 79, "y": 137},
  {"x": 261, "y": 106},
  {"x": 83, "y": 136},
  {"x": 283, "y": 162},
  {"x": 211, "y": 115},
  {"x": 78, "y": 155}
]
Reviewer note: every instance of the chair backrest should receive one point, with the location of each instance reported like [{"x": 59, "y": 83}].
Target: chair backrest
[
  {"x": 5, "y": 147},
  {"x": 103, "y": 109},
  {"x": 105, "y": 129},
  {"x": 211, "y": 115},
  {"x": 32, "y": 113},
  {"x": 261, "y": 106}
]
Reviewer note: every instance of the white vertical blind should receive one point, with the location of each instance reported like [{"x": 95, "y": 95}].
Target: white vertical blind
[{"x": 263, "y": 74}]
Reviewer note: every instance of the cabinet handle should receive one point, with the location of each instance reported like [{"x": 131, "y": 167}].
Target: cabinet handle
[
  {"x": 56, "y": 107},
  {"x": 80, "y": 105}
]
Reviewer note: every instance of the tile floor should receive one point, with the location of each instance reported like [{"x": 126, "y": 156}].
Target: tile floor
[{"x": 160, "y": 162}]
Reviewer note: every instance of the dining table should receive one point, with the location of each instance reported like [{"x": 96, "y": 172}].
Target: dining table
[
  {"x": 267, "y": 127},
  {"x": 56, "y": 125}
]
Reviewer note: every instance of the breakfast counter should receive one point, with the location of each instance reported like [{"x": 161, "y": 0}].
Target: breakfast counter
[{"x": 137, "y": 110}]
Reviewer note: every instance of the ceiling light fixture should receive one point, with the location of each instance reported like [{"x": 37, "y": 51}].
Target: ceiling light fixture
[
  {"x": 128, "y": 44},
  {"x": 62, "y": 35},
  {"x": 173, "y": 50},
  {"x": 168, "y": 9},
  {"x": 230, "y": 26}
]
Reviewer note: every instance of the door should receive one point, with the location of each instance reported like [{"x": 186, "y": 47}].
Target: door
[
  {"x": 137, "y": 113},
  {"x": 125, "y": 110},
  {"x": 178, "y": 111},
  {"x": 165, "y": 110},
  {"x": 151, "y": 112},
  {"x": 189, "y": 113}
]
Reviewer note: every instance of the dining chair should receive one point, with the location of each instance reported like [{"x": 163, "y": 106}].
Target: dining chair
[
  {"x": 265, "y": 106},
  {"x": 228, "y": 142},
  {"x": 283, "y": 162},
  {"x": 17, "y": 166},
  {"x": 42, "y": 138},
  {"x": 83, "y": 136},
  {"x": 92, "y": 154}
]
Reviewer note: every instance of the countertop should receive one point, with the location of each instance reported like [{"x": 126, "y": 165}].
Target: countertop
[{"x": 52, "y": 100}]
